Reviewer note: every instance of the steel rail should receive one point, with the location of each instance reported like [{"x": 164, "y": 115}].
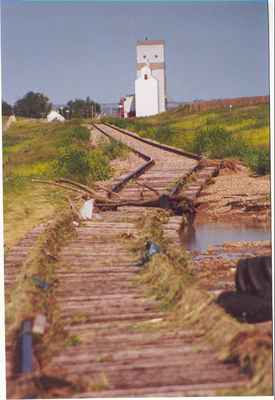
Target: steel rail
[
  {"x": 156, "y": 144},
  {"x": 134, "y": 174},
  {"x": 166, "y": 200},
  {"x": 143, "y": 155},
  {"x": 25, "y": 335},
  {"x": 139, "y": 171}
]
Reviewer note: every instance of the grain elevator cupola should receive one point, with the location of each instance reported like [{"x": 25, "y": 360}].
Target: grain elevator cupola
[{"x": 150, "y": 85}]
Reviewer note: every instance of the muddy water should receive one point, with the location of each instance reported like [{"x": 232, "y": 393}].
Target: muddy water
[{"x": 201, "y": 236}]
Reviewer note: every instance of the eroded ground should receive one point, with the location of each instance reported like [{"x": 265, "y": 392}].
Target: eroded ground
[
  {"x": 236, "y": 199},
  {"x": 236, "y": 196}
]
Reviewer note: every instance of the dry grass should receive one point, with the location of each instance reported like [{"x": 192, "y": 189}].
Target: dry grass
[
  {"x": 28, "y": 208},
  {"x": 27, "y": 299},
  {"x": 169, "y": 277},
  {"x": 246, "y": 344},
  {"x": 99, "y": 383},
  {"x": 29, "y": 149}
]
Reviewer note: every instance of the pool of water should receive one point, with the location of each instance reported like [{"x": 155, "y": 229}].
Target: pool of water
[{"x": 204, "y": 235}]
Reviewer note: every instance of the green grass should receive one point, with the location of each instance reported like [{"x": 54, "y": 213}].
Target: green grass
[
  {"x": 35, "y": 149},
  {"x": 242, "y": 133}
]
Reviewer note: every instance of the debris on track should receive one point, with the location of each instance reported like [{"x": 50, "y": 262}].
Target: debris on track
[
  {"x": 118, "y": 341},
  {"x": 116, "y": 346}
]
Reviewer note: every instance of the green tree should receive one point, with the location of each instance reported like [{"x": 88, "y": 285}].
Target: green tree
[
  {"x": 33, "y": 105},
  {"x": 83, "y": 108},
  {"x": 6, "y": 108}
]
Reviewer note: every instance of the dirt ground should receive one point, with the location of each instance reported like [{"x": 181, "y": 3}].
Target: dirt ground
[
  {"x": 236, "y": 196},
  {"x": 216, "y": 267}
]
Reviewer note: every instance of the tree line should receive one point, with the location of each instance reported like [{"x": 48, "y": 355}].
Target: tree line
[{"x": 37, "y": 105}]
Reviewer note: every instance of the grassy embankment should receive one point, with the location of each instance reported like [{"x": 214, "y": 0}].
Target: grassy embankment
[
  {"x": 242, "y": 133},
  {"x": 33, "y": 149},
  {"x": 4, "y": 121},
  {"x": 170, "y": 278}
]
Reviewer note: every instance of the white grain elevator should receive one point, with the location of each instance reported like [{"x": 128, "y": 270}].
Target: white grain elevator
[{"x": 150, "y": 85}]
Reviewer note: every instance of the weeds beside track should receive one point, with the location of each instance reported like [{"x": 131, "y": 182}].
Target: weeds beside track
[{"x": 119, "y": 342}]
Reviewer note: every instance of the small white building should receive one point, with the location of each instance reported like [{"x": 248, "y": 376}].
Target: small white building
[
  {"x": 129, "y": 106},
  {"x": 147, "y": 93},
  {"x": 55, "y": 116}
]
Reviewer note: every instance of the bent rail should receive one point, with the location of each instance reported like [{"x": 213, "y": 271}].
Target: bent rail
[
  {"x": 137, "y": 172},
  {"x": 149, "y": 161},
  {"x": 134, "y": 174}
]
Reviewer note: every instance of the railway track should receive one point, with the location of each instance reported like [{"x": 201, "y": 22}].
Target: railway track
[
  {"x": 113, "y": 349},
  {"x": 163, "y": 165}
]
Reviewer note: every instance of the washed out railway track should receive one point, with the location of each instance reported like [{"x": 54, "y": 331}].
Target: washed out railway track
[{"x": 115, "y": 353}]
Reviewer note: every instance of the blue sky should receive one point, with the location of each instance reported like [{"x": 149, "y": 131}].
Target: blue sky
[{"x": 69, "y": 49}]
